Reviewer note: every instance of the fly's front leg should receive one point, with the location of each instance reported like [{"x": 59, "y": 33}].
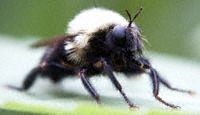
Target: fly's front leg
[
  {"x": 156, "y": 80},
  {"x": 88, "y": 86},
  {"x": 146, "y": 67},
  {"x": 144, "y": 64},
  {"x": 108, "y": 70},
  {"x": 169, "y": 86}
]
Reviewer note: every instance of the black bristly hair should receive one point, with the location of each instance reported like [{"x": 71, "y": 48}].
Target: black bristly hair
[{"x": 136, "y": 15}]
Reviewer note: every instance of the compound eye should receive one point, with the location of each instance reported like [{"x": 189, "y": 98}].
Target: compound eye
[{"x": 119, "y": 34}]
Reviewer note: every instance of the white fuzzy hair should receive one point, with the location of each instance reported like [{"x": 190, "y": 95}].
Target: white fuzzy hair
[
  {"x": 87, "y": 22},
  {"x": 91, "y": 20}
]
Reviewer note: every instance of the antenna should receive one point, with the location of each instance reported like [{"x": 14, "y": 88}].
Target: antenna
[
  {"x": 136, "y": 15},
  {"x": 130, "y": 19}
]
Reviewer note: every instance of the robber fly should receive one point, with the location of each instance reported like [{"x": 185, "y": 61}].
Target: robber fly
[{"x": 98, "y": 41}]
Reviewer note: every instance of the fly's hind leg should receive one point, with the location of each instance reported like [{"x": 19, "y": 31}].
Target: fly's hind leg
[
  {"x": 57, "y": 71},
  {"x": 45, "y": 68},
  {"x": 29, "y": 80}
]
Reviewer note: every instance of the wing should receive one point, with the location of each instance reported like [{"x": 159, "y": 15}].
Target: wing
[{"x": 52, "y": 41}]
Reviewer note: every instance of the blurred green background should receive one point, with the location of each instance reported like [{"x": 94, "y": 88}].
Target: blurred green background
[{"x": 170, "y": 26}]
